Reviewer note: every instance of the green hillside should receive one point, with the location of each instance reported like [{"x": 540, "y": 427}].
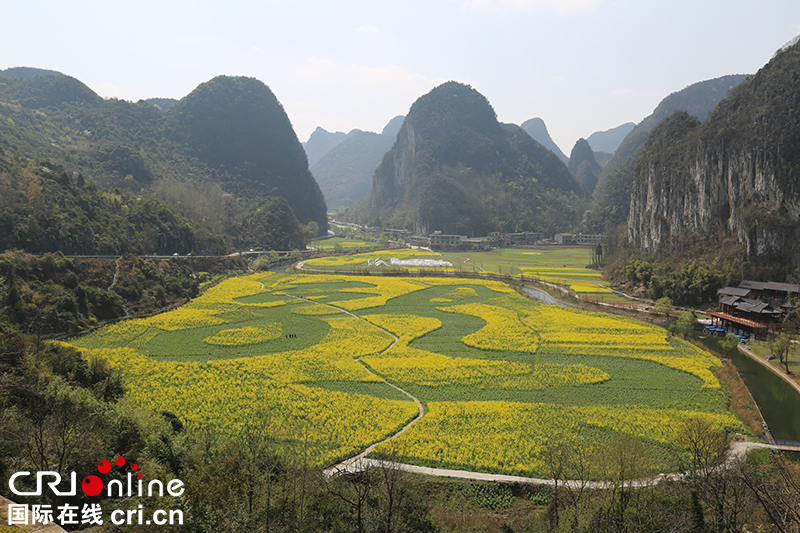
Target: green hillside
[{"x": 214, "y": 157}]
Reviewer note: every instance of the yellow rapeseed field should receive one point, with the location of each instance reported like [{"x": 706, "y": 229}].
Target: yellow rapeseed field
[
  {"x": 503, "y": 329},
  {"x": 261, "y": 346},
  {"x": 477, "y": 435}
]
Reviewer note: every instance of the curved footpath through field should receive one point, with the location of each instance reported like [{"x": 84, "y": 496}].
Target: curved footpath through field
[
  {"x": 351, "y": 463},
  {"x": 360, "y": 462}
]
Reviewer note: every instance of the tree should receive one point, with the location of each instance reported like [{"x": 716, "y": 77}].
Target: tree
[
  {"x": 383, "y": 240},
  {"x": 728, "y": 344},
  {"x": 354, "y": 489},
  {"x": 663, "y": 306},
  {"x": 777, "y": 492},
  {"x": 686, "y": 323},
  {"x": 311, "y": 230},
  {"x": 705, "y": 443},
  {"x": 622, "y": 460},
  {"x": 779, "y": 345},
  {"x": 557, "y": 455}
]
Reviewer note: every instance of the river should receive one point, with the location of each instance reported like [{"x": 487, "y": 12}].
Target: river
[
  {"x": 541, "y": 295},
  {"x": 778, "y": 401}
]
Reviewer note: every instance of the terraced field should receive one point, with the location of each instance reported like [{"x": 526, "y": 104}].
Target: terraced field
[{"x": 500, "y": 375}]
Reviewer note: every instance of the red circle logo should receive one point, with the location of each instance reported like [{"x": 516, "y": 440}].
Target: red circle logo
[{"x": 92, "y": 485}]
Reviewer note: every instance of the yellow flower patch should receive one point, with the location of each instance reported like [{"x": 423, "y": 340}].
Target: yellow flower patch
[
  {"x": 503, "y": 329},
  {"x": 230, "y": 394},
  {"x": 511, "y": 436},
  {"x": 245, "y": 336},
  {"x": 581, "y": 333},
  {"x": 184, "y": 318}
]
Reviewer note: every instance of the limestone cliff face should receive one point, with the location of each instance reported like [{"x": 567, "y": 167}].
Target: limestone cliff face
[
  {"x": 723, "y": 194},
  {"x": 614, "y": 184},
  {"x": 735, "y": 176}
]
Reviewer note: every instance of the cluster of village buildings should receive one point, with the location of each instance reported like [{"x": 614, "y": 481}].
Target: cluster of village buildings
[{"x": 441, "y": 242}]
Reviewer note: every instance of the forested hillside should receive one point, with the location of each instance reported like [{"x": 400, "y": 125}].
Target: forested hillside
[{"x": 210, "y": 160}]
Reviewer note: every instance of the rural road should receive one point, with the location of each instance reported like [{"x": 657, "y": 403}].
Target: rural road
[{"x": 360, "y": 462}]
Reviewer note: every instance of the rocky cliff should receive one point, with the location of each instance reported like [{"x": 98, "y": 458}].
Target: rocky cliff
[{"x": 735, "y": 176}]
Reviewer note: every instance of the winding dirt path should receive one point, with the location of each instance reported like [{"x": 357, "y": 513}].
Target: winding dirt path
[{"x": 352, "y": 464}]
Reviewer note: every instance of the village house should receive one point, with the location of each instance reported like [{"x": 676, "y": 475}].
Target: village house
[{"x": 754, "y": 308}]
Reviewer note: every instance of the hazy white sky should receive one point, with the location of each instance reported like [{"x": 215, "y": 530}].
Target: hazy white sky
[{"x": 581, "y": 65}]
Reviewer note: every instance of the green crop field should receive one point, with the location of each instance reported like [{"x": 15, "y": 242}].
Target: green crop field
[{"x": 500, "y": 375}]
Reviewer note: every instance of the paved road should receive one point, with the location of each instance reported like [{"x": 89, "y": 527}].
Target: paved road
[{"x": 360, "y": 463}]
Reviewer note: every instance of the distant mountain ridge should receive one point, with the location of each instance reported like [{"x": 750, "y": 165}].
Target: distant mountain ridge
[
  {"x": 455, "y": 168},
  {"x": 609, "y": 140},
  {"x": 344, "y": 172},
  {"x": 583, "y": 165},
  {"x": 320, "y": 141},
  {"x": 537, "y": 129}
]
